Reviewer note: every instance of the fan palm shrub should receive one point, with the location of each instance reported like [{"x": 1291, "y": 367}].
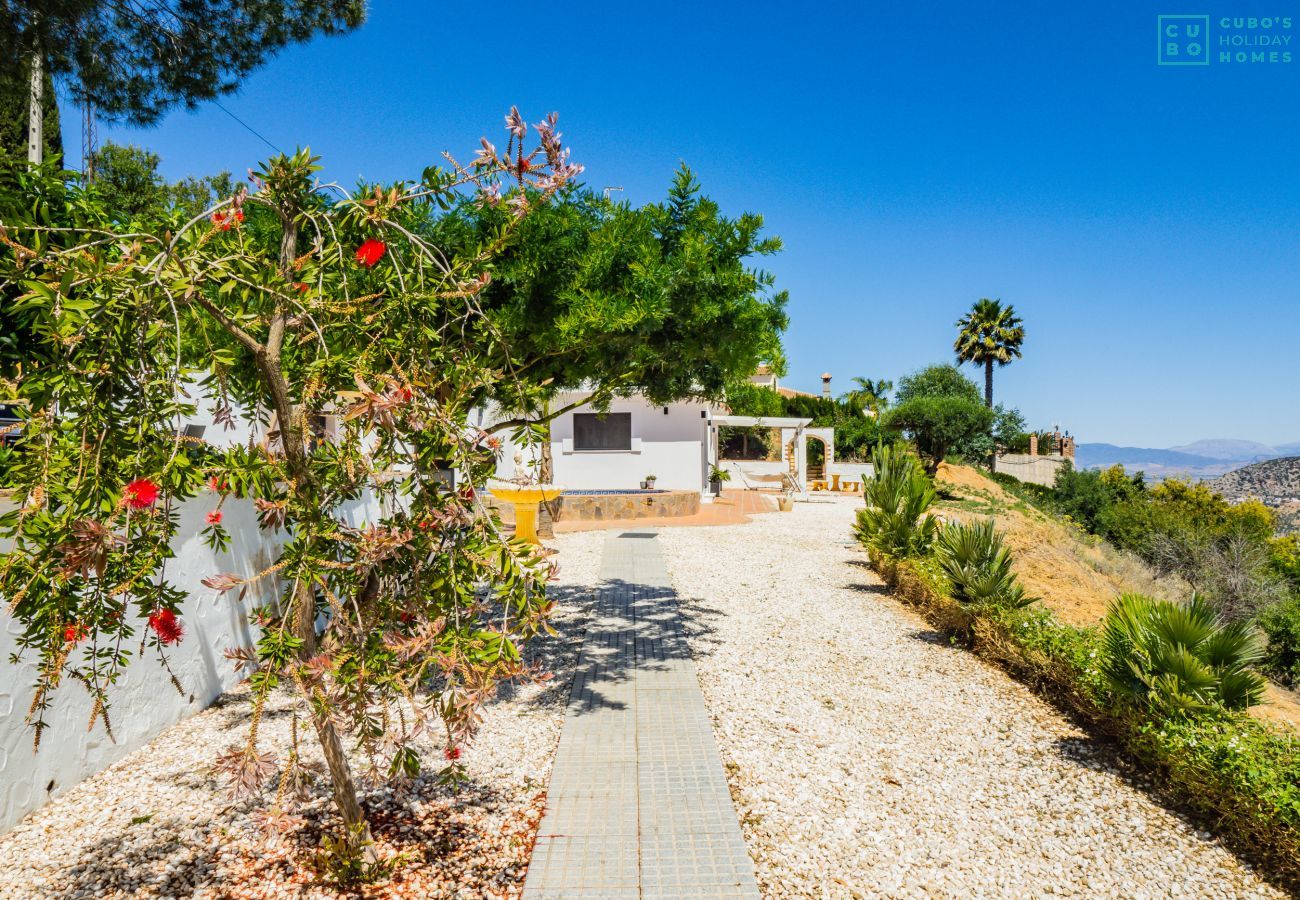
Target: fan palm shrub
[
  {"x": 979, "y": 566},
  {"x": 897, "y": 520},
  {"x": 1180, "y": 658}
]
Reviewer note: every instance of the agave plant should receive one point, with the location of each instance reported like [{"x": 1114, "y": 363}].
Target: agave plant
[
  {"x": 897, "y": 519},
  {"x": 1180, "y": 658},
  {"x": 979, "y": 566}
]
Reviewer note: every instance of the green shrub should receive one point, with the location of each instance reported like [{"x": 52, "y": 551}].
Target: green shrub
[
  {"x": 940, "y": 425},
  {"x": 1039, "y": 495},
  {"x": 897, "y": 520},
  {"x": 1180, "y": 658},
  {"x": 1281, "y": 624},
  {"x": 1285, "y": 552},
  {"x": 979, "y": 566}
]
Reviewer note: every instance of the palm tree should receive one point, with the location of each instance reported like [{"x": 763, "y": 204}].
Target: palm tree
[
  {"x": 990, "y": 333},
  {"x": 870, "y": 395}
]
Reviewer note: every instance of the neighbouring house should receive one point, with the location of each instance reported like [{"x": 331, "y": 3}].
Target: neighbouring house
[{"x": 1040, "y": 467}]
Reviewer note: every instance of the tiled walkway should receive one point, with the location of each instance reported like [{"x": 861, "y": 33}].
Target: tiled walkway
[{"x": 638, "y": 803}]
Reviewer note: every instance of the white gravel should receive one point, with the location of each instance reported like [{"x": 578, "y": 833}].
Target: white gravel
[
  {"x": 157, "y": 824},
  {"x": 867, "y": 757}
]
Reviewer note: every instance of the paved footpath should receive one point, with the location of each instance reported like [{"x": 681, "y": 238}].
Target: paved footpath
[{"x": 638, "y": 804}]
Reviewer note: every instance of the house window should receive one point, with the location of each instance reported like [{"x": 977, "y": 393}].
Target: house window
[{"x": 612, "y": 431}]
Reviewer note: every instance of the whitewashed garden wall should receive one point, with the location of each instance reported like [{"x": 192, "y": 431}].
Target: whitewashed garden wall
[{"x": 144, "y": 701}]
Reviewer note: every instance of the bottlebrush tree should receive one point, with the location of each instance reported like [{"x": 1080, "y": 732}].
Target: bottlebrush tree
[{"x": 289, "y": 301}]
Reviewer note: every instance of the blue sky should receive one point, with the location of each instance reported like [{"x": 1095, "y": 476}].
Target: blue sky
[{"x": 1144, "y": 220}]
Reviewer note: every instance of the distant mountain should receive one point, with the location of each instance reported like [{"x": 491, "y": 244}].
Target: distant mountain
[
  {"x": 1200, "y": 460},
  {"x": 1092, "y": 455},
  {"x": 1226, "y": 448}
]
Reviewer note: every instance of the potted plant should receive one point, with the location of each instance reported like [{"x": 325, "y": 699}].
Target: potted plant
[
  {"x": 716, "y": 477},
  {"x": 648, "y": 484}
]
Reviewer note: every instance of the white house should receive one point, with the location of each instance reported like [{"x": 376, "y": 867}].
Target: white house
[{"x": 619, "y": 448}]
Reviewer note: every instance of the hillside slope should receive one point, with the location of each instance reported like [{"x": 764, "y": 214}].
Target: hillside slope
[
  {"x": 1274, "y": 481},
  {"x": 1075, "y": 574}
]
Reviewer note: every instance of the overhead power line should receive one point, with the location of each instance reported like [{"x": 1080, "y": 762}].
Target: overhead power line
[{"x": 250, "y": 128}]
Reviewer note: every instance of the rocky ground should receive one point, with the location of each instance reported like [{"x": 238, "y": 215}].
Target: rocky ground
[
  {"x": 868, "y": 757},
  {"x": 157, "y": 824}
]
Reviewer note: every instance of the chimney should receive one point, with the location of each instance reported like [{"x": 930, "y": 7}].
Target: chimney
[
  {"x": 826, "y": 385},
  {"x": 1067, "y": 447},
  {"x": 1033, "y": 443}
]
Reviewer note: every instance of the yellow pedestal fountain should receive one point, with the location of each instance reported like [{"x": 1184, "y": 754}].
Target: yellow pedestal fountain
[{"x": 525, "y": 498}]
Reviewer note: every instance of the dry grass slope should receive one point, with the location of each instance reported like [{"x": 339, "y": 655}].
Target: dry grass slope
[{"x": 1074, "y": 573}]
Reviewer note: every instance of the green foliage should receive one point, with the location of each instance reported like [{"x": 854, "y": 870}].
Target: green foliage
[
  {"x": 1285, "y": 553},
  {"x": 1239, "y": 771},
  {"x": 869, "y": 394},
  {"x": 128, "y": 186},
  {"x": 979, "y": 566},
  {"x": 1179, "y": 658},
  {"x": 1008, "y": 426},
  {"x": 127, "y": 182},
  {"x": 136, "y": 61},
  {"x": 347, "y": 859},
  {"x": 1090, "y": 496},
  {"x": 661, "y": 300},
  {"x": 896, "y": 520},
  {"x": 1281, "y": 623},
  {"x": 746, "y": 399},
  {"x": 941, "y": 411},
  {"x": 274, "y": 309},
  {"x": 939, "y": 425},
  {"x": 937, "y": 381}
]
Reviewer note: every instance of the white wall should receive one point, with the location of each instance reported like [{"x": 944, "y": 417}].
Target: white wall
[
  {"x": 1035, "y": 469},
  {"x": 670, "y": 446},
  {"x": 143, "y": 702}
]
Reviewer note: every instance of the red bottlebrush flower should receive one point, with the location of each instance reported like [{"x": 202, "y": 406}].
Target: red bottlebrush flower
[
  {"x": 140, "y": 493},
  {"x": 216, "y": 485},
  {"x": 406, "y": 617},
  {"x": 74, "y": 632},
  {"x": 168, "y": 628},
  {"x": 467, "y": 493},
  {"x": 239, "y": 215},
  {"x": 302, "y": 286},
  {"x": 524, "y": 166},
  {"x": 405, "y": 394},
  {"x": 214, "y": 517},
  {"x": 452, "y": 753},
  {"x": 370, "y": 252}
]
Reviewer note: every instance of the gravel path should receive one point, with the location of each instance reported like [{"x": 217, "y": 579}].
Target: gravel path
[
  {"x": 867, "y": 757},
  {"x": 157, "y": 824}
]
